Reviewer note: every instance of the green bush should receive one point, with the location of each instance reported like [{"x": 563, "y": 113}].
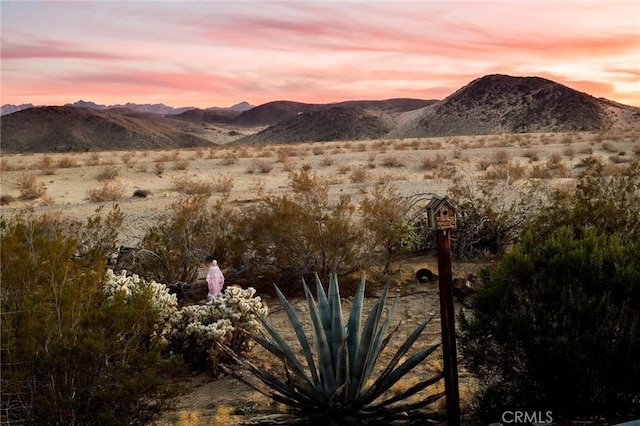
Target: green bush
[
  {"x": 608, "y": 203},
  {"x": 176, "y": 246},
  {"x": 555, "y": 327},
  {"x": 70, "y": 354},
  {"x": 297, "y": 234}
]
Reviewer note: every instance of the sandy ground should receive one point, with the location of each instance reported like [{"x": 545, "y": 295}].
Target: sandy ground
[{"x": 412, "y": 165}]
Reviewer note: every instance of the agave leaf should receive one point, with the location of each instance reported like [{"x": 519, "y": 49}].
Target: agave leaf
[
  {"x": 275, "y": 396},
  {"x": 305, "y": 387},
  {"x": 409, "y": 407},
  {"x": 337, "y": 334},
  {"x": 302, "y": 337},
  {"x": 270, "y": 380},
  {"x": 354, "y": 323},
  {"x": 327, "y": 377},
  {"x": 282, "y": 351},
  {"x": 379, "y": 341},
  {"x": 409, "y": 392},
  {"x": 404, "y": 348},
  {"x": 384, "y": 382},
  {"x": 323, "y": 303},
  {"x": 364, "y": 355}
]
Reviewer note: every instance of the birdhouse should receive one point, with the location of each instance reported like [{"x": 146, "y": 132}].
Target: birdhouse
[{"x": 442, "y": 214}]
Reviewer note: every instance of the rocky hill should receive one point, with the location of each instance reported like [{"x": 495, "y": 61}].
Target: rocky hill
[
  {"x": 349, "y": 120},
  {"x": 492, "y": 104},
  {"x": 67, "y": 128},
  {"x": 328, "y": 124},
  {"x": 503, "y": 104}
]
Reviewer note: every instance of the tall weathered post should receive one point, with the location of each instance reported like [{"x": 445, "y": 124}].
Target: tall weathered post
[{"x": 442, "y": 218}]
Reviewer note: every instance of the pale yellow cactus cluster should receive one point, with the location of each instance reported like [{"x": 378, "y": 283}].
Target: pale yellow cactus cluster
[
  {"x": 196, "y": 330},
  {"x": 165, "y": 303}
]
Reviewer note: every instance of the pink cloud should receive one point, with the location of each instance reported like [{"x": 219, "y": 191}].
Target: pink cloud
[{"x": 56, "y": 49}]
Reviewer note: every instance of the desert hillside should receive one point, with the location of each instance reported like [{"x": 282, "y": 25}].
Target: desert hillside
[
  {"x": 504, "y": 104},
  {"x": 494, "y": 104}
]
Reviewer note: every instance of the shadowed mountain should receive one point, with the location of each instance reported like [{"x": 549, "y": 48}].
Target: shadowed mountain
[
  {"x": 328, "y": 124},
  {"x": 502, "y": 104},
  {"x": 272, "y": 112},
  {"x": 291, "y": 121},
  {"x": 218, "y": 115},
  {"x": 45, "y": 129}
]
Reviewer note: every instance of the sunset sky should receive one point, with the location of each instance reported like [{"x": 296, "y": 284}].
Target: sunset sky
[{"x": 218, "y": 53}]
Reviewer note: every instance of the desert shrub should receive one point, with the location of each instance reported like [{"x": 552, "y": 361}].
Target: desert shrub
[
  {"x": 180, "y": 241},
  {"x": 70, "y": 354},
  {"x": 109, "y": 191},
  {"x": 67, "y": 163},
  {"x": 181, "y": 164},
  {"x": 384, "y": 215},
  {"x": 359, "y": 175},
  {"x": 108, "y": 173},
  {"x": 46, "y": 165},
  {"x": 261, "y": 166},
  {"x": 159, "y": 168},
  {"x": 198, "y": 330},
  {"x": 490, "y": 214},
  {"x": 607, "y": 203},
  {"x": 228, "y": 158},
  {"x": 296, "y": 234},
  {"x": 327, "y": 160},
  {"x": 192, "y": 187},
  {"x": 555, "y": 327},
  {"x": 392, "y": 161},
  {"x": 222, "y": 184},
  {"x": 30, "y": 188}
]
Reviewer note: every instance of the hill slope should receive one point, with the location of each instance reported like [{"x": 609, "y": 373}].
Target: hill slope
[
  {"x": 67, "y": 128},
  {"x": 349, "y": 120},
  {"x": 330, "y": 124},
  {"x": 504, "y": 104}
]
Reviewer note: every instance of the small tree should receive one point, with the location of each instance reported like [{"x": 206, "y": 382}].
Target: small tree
[
  {"x": 70, "y": 354},
  {"x": 174, "y": 248},
  {"x": 297, "y": 234},
  {"x": 610, "y": 203},
  {"x": 555, "y": 327},
  {"x": 491, "y": 214}
]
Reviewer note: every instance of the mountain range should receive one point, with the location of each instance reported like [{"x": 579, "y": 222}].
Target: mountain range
[
  {"x": 492, "y": 104},
  {"x": 150, "y": 108}
]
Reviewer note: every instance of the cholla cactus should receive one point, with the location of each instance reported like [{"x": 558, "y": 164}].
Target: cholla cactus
[
  {"x": 165, "y": 303},
  {"x": 230, "y": 319}
]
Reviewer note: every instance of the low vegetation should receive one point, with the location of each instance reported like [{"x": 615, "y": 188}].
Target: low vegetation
[
  {"x": 541, "y": 331},
  {"x": 338, "y": 383}
]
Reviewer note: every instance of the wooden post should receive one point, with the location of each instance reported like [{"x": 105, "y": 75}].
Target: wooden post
[{"x": 448, "y": 324}]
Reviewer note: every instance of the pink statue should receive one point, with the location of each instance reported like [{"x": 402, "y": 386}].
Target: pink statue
[{"x": 215, "y": 280}]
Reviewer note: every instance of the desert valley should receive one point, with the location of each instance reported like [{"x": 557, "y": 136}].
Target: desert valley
[{"x": 515, "y": 131}]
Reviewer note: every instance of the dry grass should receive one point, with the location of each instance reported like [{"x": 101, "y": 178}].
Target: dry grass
[
  {"x": 260, "y": 166},
  {"x": 192, "y": 187},
  {"x": 30, "y": 188},
  {"x": 222, "y": 184},
  {"x": 109, "y": 191},
  {"x": 359, "y": 175},
  {"x": 108, "y": 173}
]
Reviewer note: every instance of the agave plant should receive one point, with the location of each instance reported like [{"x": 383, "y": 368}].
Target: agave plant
[{"x": 335, "y": 383}]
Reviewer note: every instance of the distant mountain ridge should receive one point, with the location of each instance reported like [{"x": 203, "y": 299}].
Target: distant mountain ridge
[
  {"x": 493, "y": 104},
  {"x": 158, "y": 108}
]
